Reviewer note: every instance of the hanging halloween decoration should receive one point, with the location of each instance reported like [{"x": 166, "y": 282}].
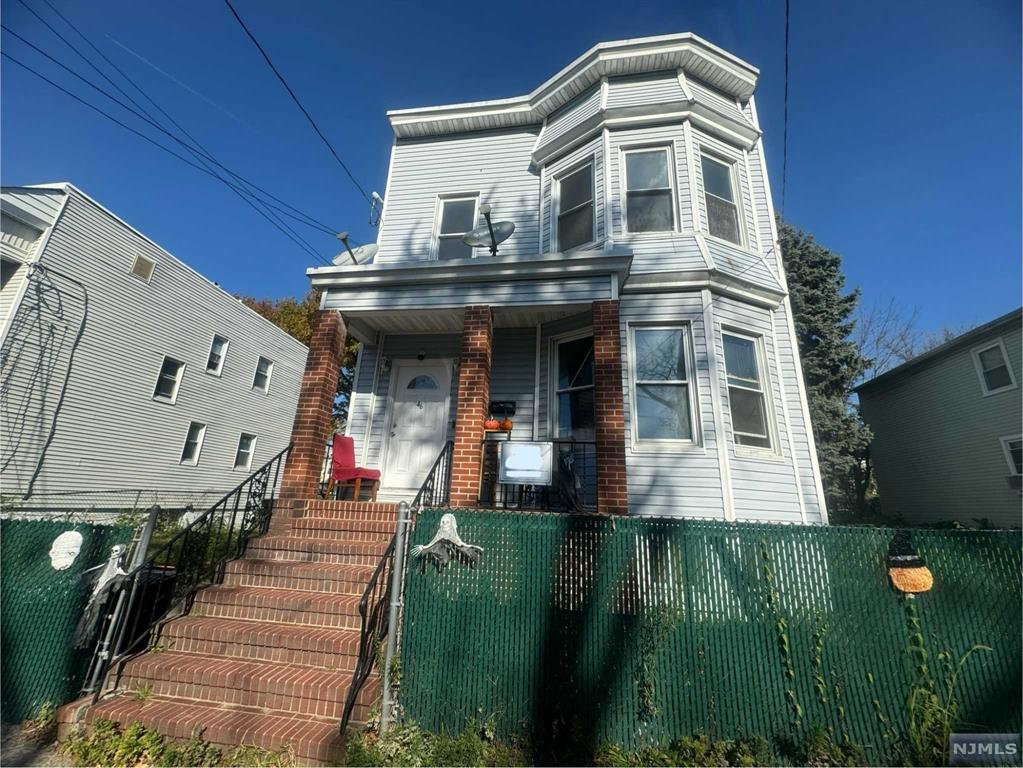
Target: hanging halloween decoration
[
  {"x": 447, "y": 545},
  {"x": 906, "y": 569},
  {"x": 105, "y": 582},
  {"x": 64, "y": 550}
]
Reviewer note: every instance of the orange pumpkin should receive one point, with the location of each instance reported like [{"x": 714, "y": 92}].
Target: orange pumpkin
[
  {"x": 491, "y": 424},
  {"x": 506, "y": 424}
]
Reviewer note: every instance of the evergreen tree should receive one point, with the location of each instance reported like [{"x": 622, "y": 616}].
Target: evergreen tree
[{"x": 832, "y": 363}]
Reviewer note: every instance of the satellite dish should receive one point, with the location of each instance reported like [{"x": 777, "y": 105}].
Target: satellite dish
[
  {"x": 480, "y": 237},
  {"x": 362, "y": 255}
]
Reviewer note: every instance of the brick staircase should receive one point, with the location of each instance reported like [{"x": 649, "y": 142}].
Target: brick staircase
[{"x": 266, "y": 657}]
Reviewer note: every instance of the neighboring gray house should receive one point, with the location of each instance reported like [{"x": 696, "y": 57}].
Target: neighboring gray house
[
  {"x": 123, "y": 368},
  {"x": 947, "y": 429},
  {"x": 640, "y": 305}
]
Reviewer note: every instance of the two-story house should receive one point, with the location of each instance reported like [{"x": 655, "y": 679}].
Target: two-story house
[
  {"x": 123, "y": 369},
  {"x": 637, "y": 317}
]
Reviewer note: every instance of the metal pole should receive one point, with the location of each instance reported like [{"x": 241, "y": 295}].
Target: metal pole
[{"x": 397, "y": 574}]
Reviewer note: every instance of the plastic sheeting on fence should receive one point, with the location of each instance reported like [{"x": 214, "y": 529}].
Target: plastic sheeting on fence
[
  {"x": 637, "y": 630},
  {"x": 41, "y": 606}
]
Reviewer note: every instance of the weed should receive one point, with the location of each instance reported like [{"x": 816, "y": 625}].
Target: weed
[
  {"x": 43, "y": 725},
  {"x": 143, "y": 692}
]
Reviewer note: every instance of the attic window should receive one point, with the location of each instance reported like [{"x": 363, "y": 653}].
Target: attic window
[{"x": 143, "y": 268}]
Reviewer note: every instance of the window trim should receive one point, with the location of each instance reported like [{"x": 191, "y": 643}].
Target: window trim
[
  {"x": 152, "y": 269},
  {"x": 669, "y": 151},
  {"x": 198, "y": 447},
  {"x": 774, "y": 450},
  {"x": 553, "y": 422},
  {"x": 269, "y": 375},
  {"x": 438, "y": 220},
  {"x": 556, "y": 211},
  {"x": 976, "y": 351},
  {"x": 733, "y": 174},
  {"x": 177, "y": 382},
  {"x": 674, "y": 444},
  {"x": 237, "y": 450},
  {"x": 223, "y": 355},
  {"x": 1008, "y": 454}
]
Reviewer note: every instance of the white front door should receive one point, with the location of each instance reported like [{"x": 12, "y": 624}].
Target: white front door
[{"x": 418, "y": 421}]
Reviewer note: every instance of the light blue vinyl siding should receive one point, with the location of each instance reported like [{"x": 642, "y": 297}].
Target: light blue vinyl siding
[
  {"x": 641, "y": 90},
  {"x": 570, "y": 116},
  {"x": 592, "y": 149},
  {"x": 714, "y": 98}
]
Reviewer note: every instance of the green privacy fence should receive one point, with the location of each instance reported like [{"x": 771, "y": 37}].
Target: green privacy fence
[
  {"x": 40, "y": 608},
  {"x": 590, "y": 630}
]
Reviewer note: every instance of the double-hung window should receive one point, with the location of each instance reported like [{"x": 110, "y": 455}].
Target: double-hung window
[
  {"x": 261, "y": 378},
  {"x": 662, "y": 383},
  {"x": 649, "y": 192},
  {"x": 720, "y": 199},
  {"x": 215, "y": 360},
  {"x": 574, "y": 388},
  {"x": 169, "y": 380},
  {"x": 246, "y": 447},
  {"x": 993, "y": 368},
  {"x": 193, "y": 443},
  {"x": 747, "y": 400},
  {"x": 575, "y": 208},
  {"x": 1013, "y": 449},
  {"x": 458, "y": 215}
]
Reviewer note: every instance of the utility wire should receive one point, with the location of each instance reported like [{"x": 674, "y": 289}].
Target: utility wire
[
  {"x": 298, "y": 103},
  {"x": 152, "y": 141},
  {"x": 305, "y": 218},
  {"x": 785, "y": 119}
]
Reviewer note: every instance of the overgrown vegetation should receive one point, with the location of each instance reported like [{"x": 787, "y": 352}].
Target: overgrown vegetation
[
  {"x": 106, "y": 743},
  {"x": 692, "y": 751},
  {"x": 409, "y": 745},
  {"x": 43, "y": 725}
]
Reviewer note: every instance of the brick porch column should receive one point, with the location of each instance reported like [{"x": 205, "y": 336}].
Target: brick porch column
[
  {"x": 473, "y": 404},
  {"x": 315, "y": 407},
  {"x": 608, "y": 406}
]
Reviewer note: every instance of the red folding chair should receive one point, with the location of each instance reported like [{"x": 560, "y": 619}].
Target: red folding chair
[{"x": 343, "y": 469}]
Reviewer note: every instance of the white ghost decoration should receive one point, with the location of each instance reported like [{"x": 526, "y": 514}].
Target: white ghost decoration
[{"x": 64, "y": 550}]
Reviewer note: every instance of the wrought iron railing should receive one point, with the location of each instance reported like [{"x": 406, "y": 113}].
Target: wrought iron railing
[
  {"x": 165, "y": 583},
  {"x": 573, "y": 485},
  {"x": 378, "y": 607}
]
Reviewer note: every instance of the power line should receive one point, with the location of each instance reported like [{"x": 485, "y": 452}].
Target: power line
[
  {"x": 785, "y": 119},
  {"x": 155, "y": 143},
  {"x": 298, "y": 103},
  {"x": 305, "y": 218}
]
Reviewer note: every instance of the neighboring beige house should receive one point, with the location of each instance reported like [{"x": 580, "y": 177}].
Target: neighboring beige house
[{"x": 947, "y": 429}]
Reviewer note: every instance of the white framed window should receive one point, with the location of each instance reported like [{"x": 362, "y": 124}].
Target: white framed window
[
  {"x": 573, "y": 380},
  {"x": 993, "y": 369},
  {"x": 1012, "y": 447},
  {"x": 663, "y": 397},
  {"x": 720, "y": 198},
  {"x": 649, "y": 190},
  {"x": 193, "y": 443},
  {"x": 218, "y": 351},
  {"x": 246, "y": 449},
  {"x": 143, "y": 267},
  {"x": 747, "y": 393},
  {"x": 264, "y": 370},
  {"x": 455, "y": 217},
  {"x": 574, "y": 196},
  {"x": 169, "y": 380}
]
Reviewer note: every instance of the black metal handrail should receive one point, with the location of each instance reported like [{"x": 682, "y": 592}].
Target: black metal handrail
[
  {"x": 193, "y": 558},
  {"x": 374, "y": 603}
]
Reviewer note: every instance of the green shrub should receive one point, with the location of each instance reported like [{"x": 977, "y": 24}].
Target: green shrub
[
  {"x": 691, "y": 751},
  {"x": 821, "y": 749},
  {"x": 409, "y": 745}
]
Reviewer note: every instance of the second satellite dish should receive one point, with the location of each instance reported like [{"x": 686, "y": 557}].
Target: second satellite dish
[
  {"x": 361, "y": 255},
  {"x": 480, "y": 237}
]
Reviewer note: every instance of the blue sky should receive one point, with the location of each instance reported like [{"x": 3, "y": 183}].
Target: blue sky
[{"x": 904, "y": 121}]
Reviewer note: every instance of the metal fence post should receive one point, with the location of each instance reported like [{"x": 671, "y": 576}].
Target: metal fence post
[{"x": 397, "y": 574}]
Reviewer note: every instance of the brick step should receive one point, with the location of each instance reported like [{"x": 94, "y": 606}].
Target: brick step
[
  {"x": 298, "y": 549},
  {"x": 290, "y": 606},
  {"x": 313, "y": 740},
  {"x": 288, "y": 574},
  {"x": 280, "y": 688},
  {"x": 263, "y": 641},
  {"x": 348, "y": 510},
  {"x": 338, "y": 528}
]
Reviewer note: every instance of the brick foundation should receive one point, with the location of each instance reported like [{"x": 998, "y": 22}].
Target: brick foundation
[
  {"x": 473, "y": 404},
  {"x": 315, "y": 407},
  {"x": 608, "y": 404}
]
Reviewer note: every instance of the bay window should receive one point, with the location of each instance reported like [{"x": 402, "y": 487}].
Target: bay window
[
  {"x": 649, "y": 192},
  {"x": 747, "y": 399},
  {"x": 720, "y": 199},
  {"x": 662, "y": 383},
  {"x": 575, "y": 208}
]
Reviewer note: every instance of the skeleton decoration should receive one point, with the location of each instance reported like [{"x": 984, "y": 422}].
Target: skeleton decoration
[
  {"x": 447, "y": 545},
  {"x": 64, "y": 550},
  {"x": 105, "y": 582}
]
